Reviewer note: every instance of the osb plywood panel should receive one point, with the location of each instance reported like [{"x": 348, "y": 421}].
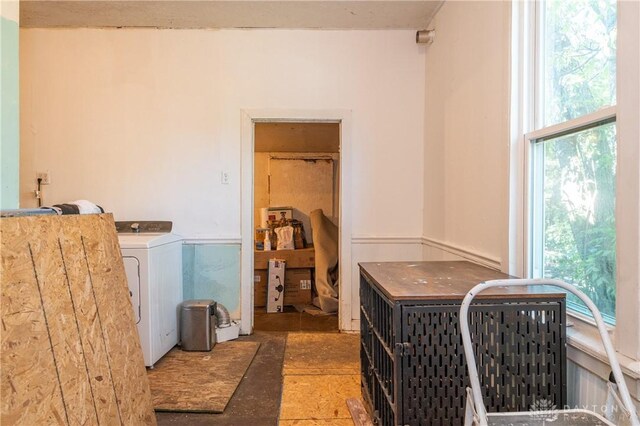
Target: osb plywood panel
[
  {"x": 200, "y": 381},
  {"x": 69, "y": 347},
  {"x": 118, "y": 326},
  {"x": 62, "y": 325},
  {"x": 29, "y": 384},
  {"x": 318, "y": 397},
  {"x": 95, "y": 351},
  {"x": 322, "y": 353}
]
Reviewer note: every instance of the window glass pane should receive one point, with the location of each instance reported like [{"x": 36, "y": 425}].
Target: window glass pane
[
  {"x": 578, "y": 238},
  {"x": 578, "y": 58}
]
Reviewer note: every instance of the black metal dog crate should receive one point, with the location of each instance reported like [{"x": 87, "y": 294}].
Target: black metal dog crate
[{"x": 412, "y": 359}]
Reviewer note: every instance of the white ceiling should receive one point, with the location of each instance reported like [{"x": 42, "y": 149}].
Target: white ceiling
[{"x": 331, "y": 14}]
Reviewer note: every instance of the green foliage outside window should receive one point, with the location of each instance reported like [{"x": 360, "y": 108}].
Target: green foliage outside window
[{"x": 580, "y": 169}]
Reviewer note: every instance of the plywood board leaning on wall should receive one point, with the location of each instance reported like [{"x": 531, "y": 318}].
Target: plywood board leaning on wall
[{"x": 69, "y": 348}]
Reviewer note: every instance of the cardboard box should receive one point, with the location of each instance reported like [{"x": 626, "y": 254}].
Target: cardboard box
[
  {"x": 276, "y": 214},
  {"x": 301, "y": 258},
  {"x": 275, "y": 285},
  {"x": 260, "y": 288},
  {"x": 297, "y": 287}
]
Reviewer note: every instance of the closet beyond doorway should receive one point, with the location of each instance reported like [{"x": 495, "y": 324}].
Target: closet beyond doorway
[{"x": 296, "y": 164}]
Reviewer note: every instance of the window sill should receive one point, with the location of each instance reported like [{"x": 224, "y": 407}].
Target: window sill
[{"x": 585, "y": 348}]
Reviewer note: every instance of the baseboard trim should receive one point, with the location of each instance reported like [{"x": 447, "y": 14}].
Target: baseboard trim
[{"x": 479, "y": 258}]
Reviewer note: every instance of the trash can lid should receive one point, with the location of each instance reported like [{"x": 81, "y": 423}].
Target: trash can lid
[{"x": 197, "y": 304}]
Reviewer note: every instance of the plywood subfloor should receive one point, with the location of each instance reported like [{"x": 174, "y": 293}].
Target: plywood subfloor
[
  {"x": 69, "y": 348},
  {"x": 256, "y": 401},
  {"x": 200, "y": 381},
  {"x": 316, "y": 422},
  {"x": 320, "y": 372},
  {"x": 316, "y": 397},
  {"x": 322, "y": 353}
]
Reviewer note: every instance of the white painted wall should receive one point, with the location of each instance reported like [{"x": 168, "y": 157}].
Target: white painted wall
[
  {"x": 9, "y": 105},
  {"x": 378, "y": 250},
  {"x": 467, "y": 132},
  {"x": 143, "y": 121}
]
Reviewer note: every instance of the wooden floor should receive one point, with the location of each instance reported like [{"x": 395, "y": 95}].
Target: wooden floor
[
  {"x": 256, "y": 401},
  {"x": 321, "y": 371},
  {"x": 302, "y": 375},
  {"x": 292, "y": 320}
]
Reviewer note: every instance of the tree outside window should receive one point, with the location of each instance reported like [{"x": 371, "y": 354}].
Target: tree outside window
[{"x": 574, "y": 173}]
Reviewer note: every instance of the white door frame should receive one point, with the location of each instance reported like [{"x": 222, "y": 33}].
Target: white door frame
[{"x": 249, "y": 118}]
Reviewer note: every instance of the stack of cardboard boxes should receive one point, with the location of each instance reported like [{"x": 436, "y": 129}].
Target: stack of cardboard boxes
[{"x": 298, "y": 275}]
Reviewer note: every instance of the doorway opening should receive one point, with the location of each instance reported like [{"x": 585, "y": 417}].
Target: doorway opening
[
  {"x": 296, "y": 217},
  {"x": 348, "y": 313}
]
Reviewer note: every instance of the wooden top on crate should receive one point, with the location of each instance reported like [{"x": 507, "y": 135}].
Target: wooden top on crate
[{"x": 450, "y": 280}]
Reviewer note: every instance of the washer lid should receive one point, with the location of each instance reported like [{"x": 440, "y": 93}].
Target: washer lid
[{"x": 146, "y": 240}]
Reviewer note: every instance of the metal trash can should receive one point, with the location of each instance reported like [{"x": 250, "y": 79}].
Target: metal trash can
[{"x": 198, "y": 325}]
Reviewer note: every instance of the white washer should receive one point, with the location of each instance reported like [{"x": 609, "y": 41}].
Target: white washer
[{"x": 153, "y": 264}]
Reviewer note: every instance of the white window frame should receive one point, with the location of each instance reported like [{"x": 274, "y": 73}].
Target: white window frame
[
  {"x": 523, "y": 132},
  {"x": 533, "y": 219},
  {"x": 534, "y": 223}
]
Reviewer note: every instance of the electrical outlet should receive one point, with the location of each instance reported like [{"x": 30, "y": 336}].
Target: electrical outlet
[
  {"x": 224, "y": 178},
  {"x": 45, "y": 176}
]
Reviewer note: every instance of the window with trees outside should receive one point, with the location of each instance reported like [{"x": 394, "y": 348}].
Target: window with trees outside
[{"x": 572, "y": 165}]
